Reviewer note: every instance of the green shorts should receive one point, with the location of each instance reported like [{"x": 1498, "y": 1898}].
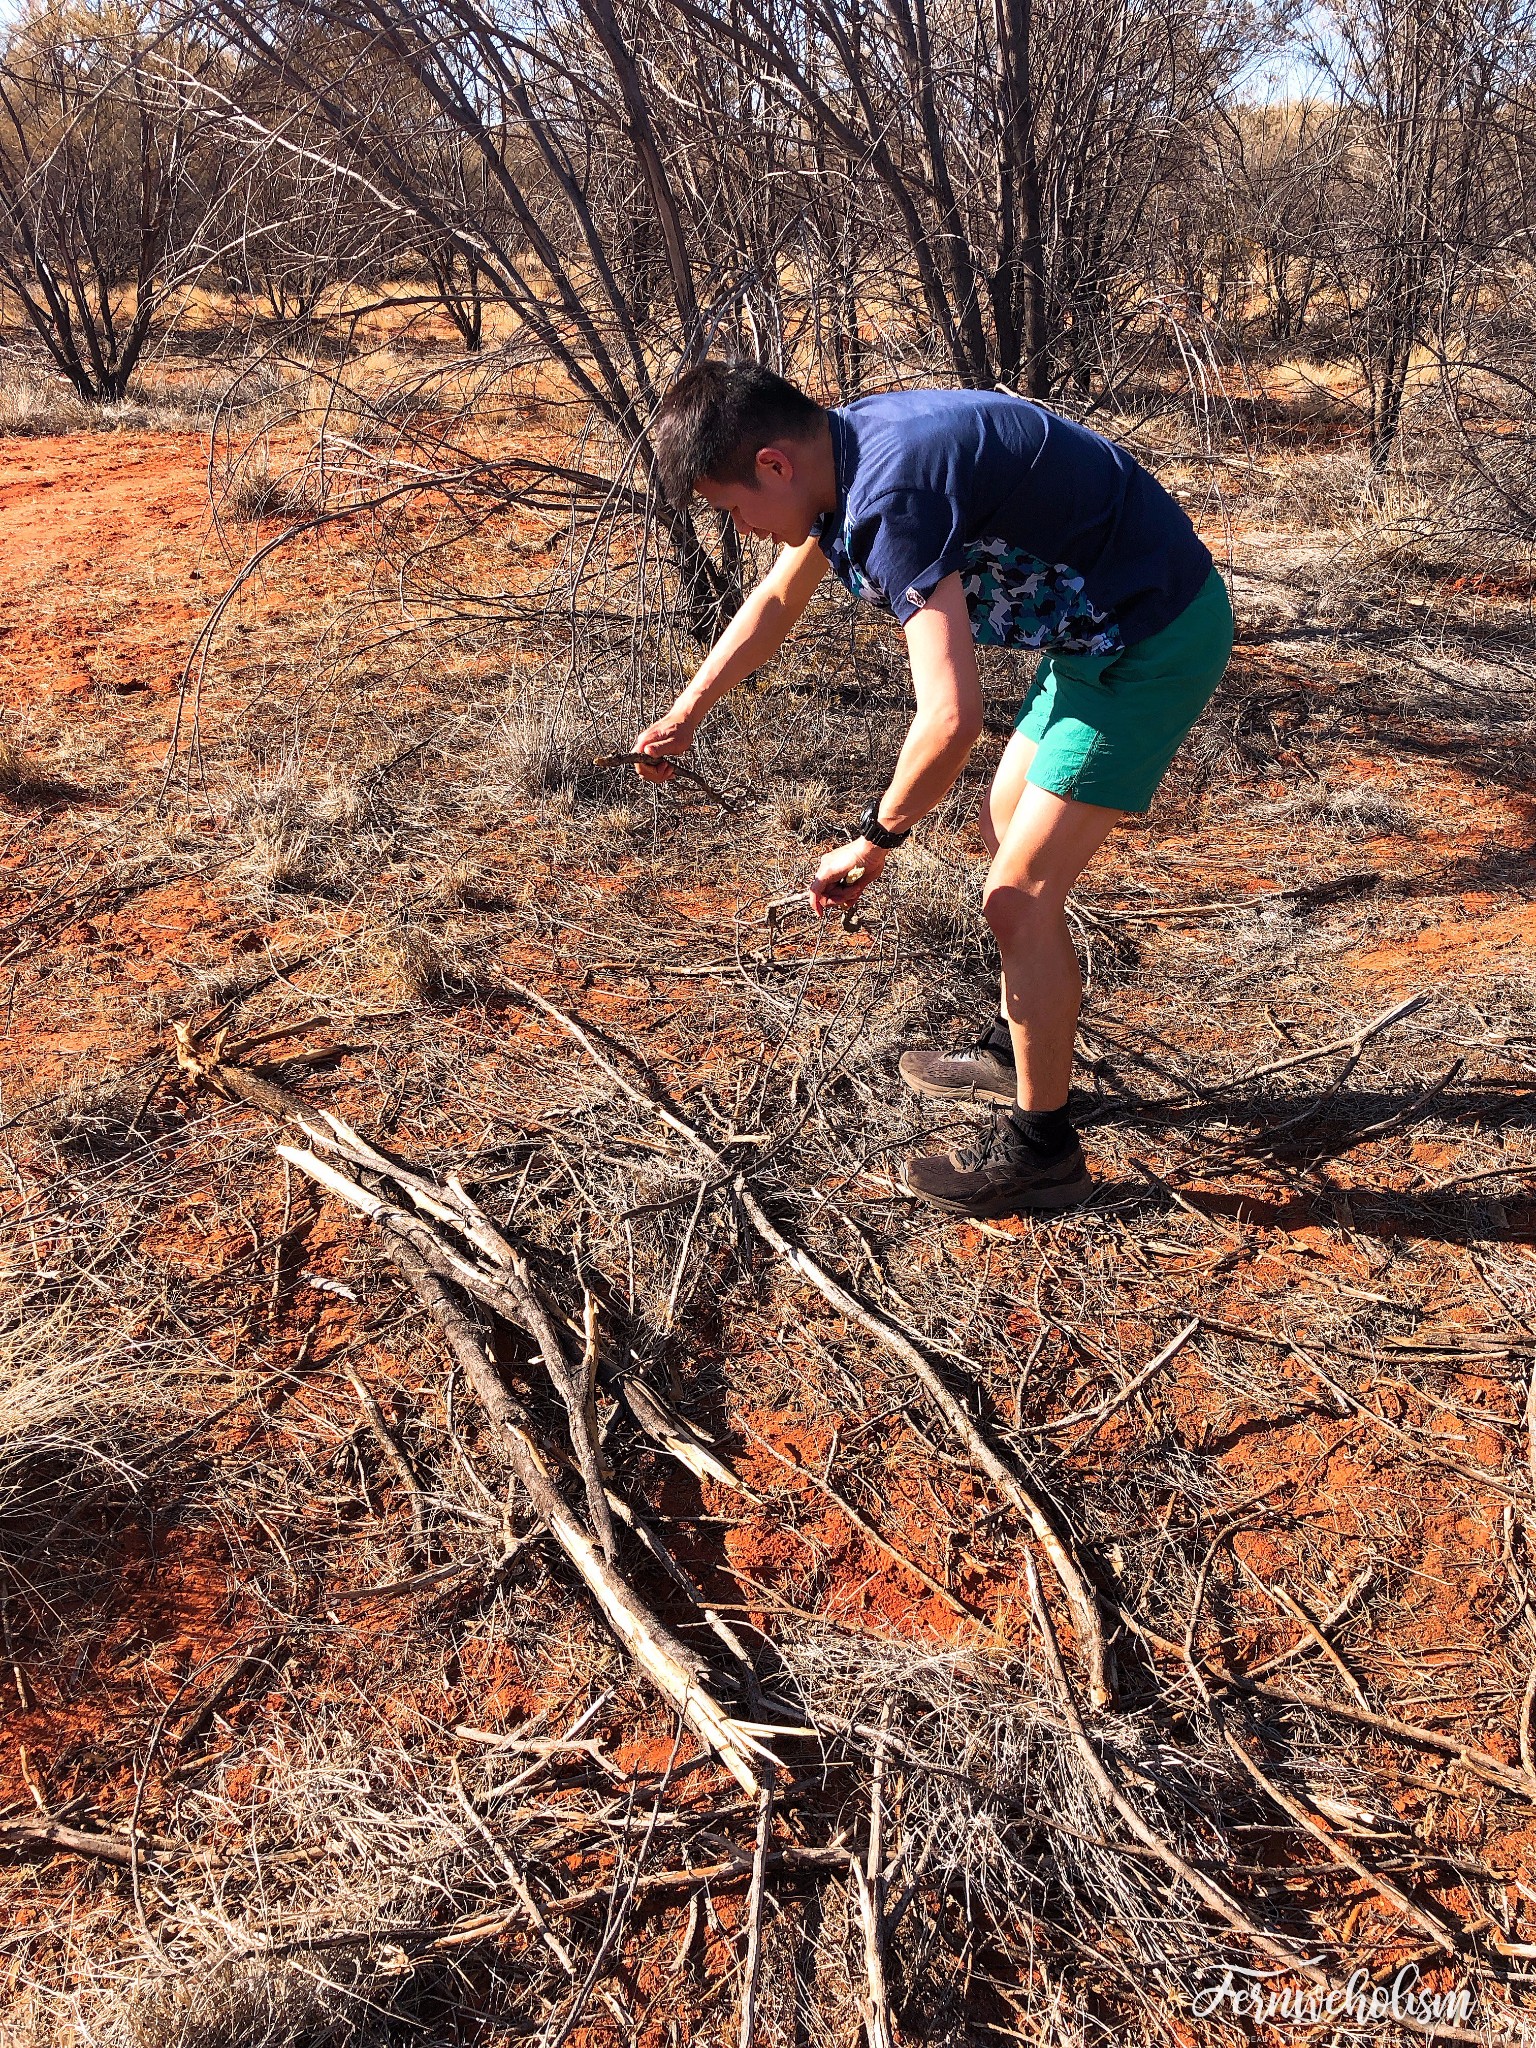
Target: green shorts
[{"x": 1106, "y": 727}]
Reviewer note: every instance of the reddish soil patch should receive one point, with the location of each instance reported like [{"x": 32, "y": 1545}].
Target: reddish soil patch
[{"x": 105, "y": 544}]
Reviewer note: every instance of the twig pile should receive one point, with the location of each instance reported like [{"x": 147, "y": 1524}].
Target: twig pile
[{"x": 460, "y": 1261}]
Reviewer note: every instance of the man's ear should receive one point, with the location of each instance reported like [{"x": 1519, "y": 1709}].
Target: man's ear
[{"x": 773, "y": 462}]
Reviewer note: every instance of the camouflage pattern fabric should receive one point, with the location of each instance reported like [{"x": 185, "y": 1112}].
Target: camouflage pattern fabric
[
  {"x": 839, "y": 550},
  {"x": 1017, "y": 601}
]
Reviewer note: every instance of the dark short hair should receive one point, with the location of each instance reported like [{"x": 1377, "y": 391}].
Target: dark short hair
[{"x": 717, "y": 415}]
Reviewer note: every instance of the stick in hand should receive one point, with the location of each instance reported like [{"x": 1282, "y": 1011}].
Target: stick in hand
[{"x": 726, "y": 803}]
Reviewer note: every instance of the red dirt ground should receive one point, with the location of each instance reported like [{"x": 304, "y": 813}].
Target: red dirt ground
[{"x": 108, "y": 561}]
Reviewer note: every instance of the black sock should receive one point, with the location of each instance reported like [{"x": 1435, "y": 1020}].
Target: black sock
[
  {"x": 999, "y": 1039},
  {"x": 1047, "y": 1133}
]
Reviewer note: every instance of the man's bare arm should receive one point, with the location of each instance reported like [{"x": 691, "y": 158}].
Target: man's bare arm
[
  {"x": 752, "y": 638},
  {"x": 938, "y": 742},
  {"x": 948, "y": 721}
]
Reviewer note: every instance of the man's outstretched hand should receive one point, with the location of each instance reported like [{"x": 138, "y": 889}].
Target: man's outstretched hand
[
  {"x": 671, "y": 734},
  {"x": 844, "y": 874}
]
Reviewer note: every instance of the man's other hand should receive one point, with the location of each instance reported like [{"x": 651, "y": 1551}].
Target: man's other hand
[
  {"x": 845, "y": 873},
  {"x": 671, "y": 734}
]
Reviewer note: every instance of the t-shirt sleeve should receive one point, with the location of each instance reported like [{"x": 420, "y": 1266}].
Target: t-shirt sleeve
[{"x": 907, "y": 542}]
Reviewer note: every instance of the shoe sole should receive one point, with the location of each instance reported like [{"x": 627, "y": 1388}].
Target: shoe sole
[
  {"x": 969, "y": 1091},
  {"x": 1030, "y": 1202}
]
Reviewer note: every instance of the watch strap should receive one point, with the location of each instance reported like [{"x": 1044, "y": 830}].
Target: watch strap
[{"x": 870, "y": 828}]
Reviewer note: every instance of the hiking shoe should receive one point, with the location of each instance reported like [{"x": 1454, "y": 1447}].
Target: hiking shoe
[
  {"x": 983, "y": 1072},
  {"x": 1001, "y": 1175}
]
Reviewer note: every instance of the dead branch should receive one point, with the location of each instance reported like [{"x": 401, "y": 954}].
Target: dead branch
[
  {"x": 1094, "y": 1416},
  {"x": 651, "y": 1541},
  {"x": 399, "y": 1589},
  {"x": 877, "y": 2004},
  {"x": 1437, "y": 1931},
  {"x": 1336, "y": 886},
  {"x": 1308, "y": 1640},
  {"x": 869, "y": 1887},
  {"x": 671, "y": 1667},
  {"x": 262, "y": 1657},
  {"x": 867, "y": 1528},
  {"x": 511, "y": 1276},
  {"x": 103, "y": 1848},
  {"x": 1354, "y": 1044},
  {"x": 394, "y": 1456},
  {"x": 1007, "y": 1480},
  {"x": 1480, "y": 1762},
  {"x": 757, "y": 1893},
  {"x": 515, "y": 1878},
  {"x": 1299, "y": 1615},
  {"x": 662, "y": 1423},
  {"x": 472, "y": 1928}
]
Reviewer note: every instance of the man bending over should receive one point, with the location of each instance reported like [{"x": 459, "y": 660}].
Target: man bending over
[{"x": 973, "y": 517}]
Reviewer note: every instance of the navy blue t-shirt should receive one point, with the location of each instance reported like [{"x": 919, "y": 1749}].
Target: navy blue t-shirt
[{"x": 1062, "y": 541}]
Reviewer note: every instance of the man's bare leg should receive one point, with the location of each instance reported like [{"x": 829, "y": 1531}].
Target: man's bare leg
[
  {"x": 1007, "y": 786},
  {"x": 1031, "y": 1159},
  {"x": 1032, "y": 870},
  {"x": 997, "y": 808},
  {"x": 1044, "y": 844}
]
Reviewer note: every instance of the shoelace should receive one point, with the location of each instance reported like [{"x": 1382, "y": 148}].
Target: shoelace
[
  {"x": 981, "y": 1047},
  {"x": 989, "y": 1144}
]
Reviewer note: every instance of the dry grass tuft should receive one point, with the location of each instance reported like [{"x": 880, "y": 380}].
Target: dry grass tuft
[
  {"x": 806, "y": 810},
  {"x": 18, "y": 772},
  {"x": 258, "y": 492},
  {"x": 100, "y": 1120},
  {"x": 937, "y": 894},
  {"x": 241, "y": 2004},
  {"x": 31, "y": 403},
  {"x": 416, "y": 965},
  {"x": 615, "y": 829},
  {"x": 37, "y": 401},
  {"x": 461, "y": 885},
  {"x": 76, "y": 1404},
  {"x": 536, "y": 755},
  {"x": 1358, "y": 811},
  {"x": 25, "y": 781},
  {"x": 350, "y": 802},
  {"x": 284, "y": 858},
  {"x": 305, "y": 836}
]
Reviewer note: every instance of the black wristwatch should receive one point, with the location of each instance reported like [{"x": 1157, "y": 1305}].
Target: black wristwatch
[{"x": 870, "y": 828}]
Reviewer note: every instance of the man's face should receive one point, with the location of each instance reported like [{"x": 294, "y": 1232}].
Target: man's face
[{"x": 776, "y": 505}]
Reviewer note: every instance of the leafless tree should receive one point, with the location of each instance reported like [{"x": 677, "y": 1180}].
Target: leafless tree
[
  {"x": 108, "y": 176},
  {"x": 455, "y": 270},
  {"x": 1425, "y": 85},
  {"x": 536, "y": 105},
  {"x": 1014, "y": 149},
  {"x": 298, "y": 225}
]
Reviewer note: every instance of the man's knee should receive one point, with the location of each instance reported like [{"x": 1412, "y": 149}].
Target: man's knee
[{"x": 1019, "y": 907}]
